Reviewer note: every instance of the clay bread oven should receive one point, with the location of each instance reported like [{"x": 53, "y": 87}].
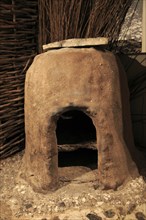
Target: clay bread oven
[{"x": 84, "y": 79}]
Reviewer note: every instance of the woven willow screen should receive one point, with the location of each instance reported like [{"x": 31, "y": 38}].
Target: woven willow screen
[{"x": 18, "y": 45}]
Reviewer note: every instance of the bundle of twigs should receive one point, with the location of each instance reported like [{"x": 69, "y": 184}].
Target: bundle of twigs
[
  {"x": 64, "y": 19},
  {"x": 17, "y": 47}
]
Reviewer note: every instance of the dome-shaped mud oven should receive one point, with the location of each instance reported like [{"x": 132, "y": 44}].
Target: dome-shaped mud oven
[{"x": 74, "y": 99}]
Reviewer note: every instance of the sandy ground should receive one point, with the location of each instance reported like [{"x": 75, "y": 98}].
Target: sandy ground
[{"x": 78, "y": 197}]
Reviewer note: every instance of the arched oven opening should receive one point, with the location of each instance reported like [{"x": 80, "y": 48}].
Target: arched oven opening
[{"x": 76, "y": 139}]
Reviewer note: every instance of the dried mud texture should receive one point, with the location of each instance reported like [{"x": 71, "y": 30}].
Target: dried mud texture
[
  {"x": 74, "y": 200},
  {"x": 84, "y": 79}
]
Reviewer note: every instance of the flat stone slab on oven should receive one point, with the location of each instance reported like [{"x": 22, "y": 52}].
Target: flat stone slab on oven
[{"x": 76, "y": 42}]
